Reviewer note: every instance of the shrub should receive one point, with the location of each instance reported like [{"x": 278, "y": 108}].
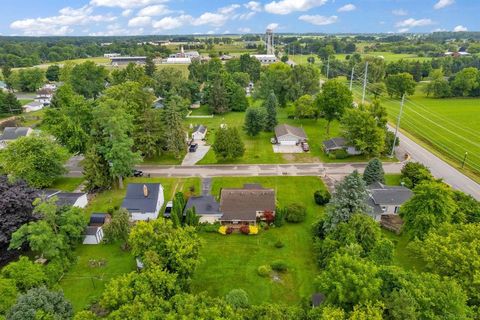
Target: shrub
[
  {"x": 295, "y": 213},
  {"x": 237, "y": 298},
  {"x": 229, "y": 230},
  {"x": 322, "y": 197},
  {"x": 279, "y": 265},
  {"x": 332, "y": 156},
  {"x": 245, "y": 229},
  {"x": 264, "y": 271},
  {"x": 253, "y": 229},
  {"x": 341, "y": 154},
  {"x": 279, "y": 217},
  {"x": 269, "y": 217},
  {"x": 279, "y": 244},
  {"x": 209, "y": 227}
]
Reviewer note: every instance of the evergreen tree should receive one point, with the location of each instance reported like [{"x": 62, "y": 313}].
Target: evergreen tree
[
  {"x": 271, "y": 107},
  {"x": 348, "y": 199},
  {"x": 177, "y": 210},
  {"x": 191, "y": 217},
  {"x": 150, "y": 67},
  {"x": 217, "y": 97},
  {"x": 174, "y": 136},
  {"x": 96, "y": 170},
  {"x": 374, "y": 172},
  {"x": 238, "y": 99},
  {"x": 254, "y": 121}
]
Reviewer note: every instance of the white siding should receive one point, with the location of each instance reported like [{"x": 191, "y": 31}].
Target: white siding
[{"x": 81, "y": 202}]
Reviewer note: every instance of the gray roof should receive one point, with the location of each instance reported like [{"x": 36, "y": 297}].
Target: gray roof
[
  {"x": 34, "y": 104},
  {"x": 204, "y": 205},
  {"x": 64, "y": 198},
  {"x": 284, "y": 129},
  {"x": 243, "y": 204},
  {"x": 12, "y": 133},
  {"x": 381, "y": 194},
  {"x": 201, "y": 128},
  {"x": 335, "y": 143},
  {"x": 135, "y": 200}
]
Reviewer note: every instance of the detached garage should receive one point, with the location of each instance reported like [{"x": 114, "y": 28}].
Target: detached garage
[{"x": 287, "y": 135}]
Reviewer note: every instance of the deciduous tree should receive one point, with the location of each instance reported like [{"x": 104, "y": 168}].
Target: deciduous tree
[
  {"x": 400, "y": 84},
  {"x": 271, "y": 112},
  {"x": 228, "y": 144},
  {"x": 334, "y": 99},
  {"x": 254, "y": 121},
  {"x": 88, "y": 79}
]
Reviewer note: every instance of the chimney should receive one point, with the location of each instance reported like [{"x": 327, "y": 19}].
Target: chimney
[{"x": 145, "y": 190}]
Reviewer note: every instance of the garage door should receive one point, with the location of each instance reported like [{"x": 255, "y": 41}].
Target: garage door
[{"x": 288, "y": 143}]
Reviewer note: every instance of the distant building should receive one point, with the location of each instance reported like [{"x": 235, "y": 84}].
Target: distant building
[
  {"x": 33, "y": 106},
  {"x": 334, "y": 144},
  {"x": 111, "y": 55},
  {"x": 45, "y": 95},
  {"x": 177, "y": 61},
  {"x": 457, "y": 54},
  {"x": 13, "y": 133},
  {"x": 183, "y": 54},
  {"x": 117, "y": 61},
  {"x": 265, "y": 58}
]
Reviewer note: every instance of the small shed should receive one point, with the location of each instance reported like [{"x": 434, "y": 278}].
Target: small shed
[
  {"x": 338, "y": 143},
  {"x": 94, "y": 231},
  {"x": 288, "y": 135},
  {"x": 317, "y": 299},
  {"x": 199, "y": 132}
]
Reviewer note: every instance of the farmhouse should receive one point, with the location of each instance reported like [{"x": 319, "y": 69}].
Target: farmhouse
[
  {"x": 143, "y": 201},
  {"x": 44, "y": 96},
  {"x": 265, "y": 58},
  {"x": 245, "y": 206},
  {"x": 386, "y": 200},
  {"x": 206, "y": 207},
  {"x": 13, "y": 133},
  {"x": 33, "y": 106},
  {"x": 94, "y": 230},
  {"x": 199, "y": 132},
  {"x": 74, "y": 199},
  {"x": 117, "y": 61},
  {"x": 339, "y": 143},
  {"x": 288, "y": 135}
]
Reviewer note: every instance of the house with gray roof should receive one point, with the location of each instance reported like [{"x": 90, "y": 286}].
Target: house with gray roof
[
  {"x": 74, "y": 199},
  {"x": 288, "y": 135},
  {"x": 33, "y": 106},
  {"x": 386, "y": 200},
  {"x": 206, "y": 207},
  {"x": 199, "y": 132},
  {"x": 246, "y": 205},
  {"x": 143, "y": 200},
  {"x": 339, "y": 143},
  {"x": 12, "y": 133}
]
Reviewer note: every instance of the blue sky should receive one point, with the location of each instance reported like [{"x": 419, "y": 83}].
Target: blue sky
[{"x": 132, "y": 17}]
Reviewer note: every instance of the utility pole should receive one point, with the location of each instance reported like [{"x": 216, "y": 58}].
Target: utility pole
[
  {"x": 328, "y": 67},
  {"x": 464, "y": 159},
  {"x": 365, "y": 83},
  {"x": 351, "y": 78},
  {"x": 398, "y": 125}
]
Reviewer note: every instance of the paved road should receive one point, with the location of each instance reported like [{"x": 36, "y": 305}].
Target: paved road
[
  {"x": 439, "y": 168},
  {"x": 294, "y": 169}
]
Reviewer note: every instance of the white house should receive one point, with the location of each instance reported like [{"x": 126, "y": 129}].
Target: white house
[
  {"x": 111, "y": 55},
  {"x": 265, "y": 58},
  {"x": 177, "y": 61},
  {"x": 287, "y": 135},
  {"x": 338, "y": 143},
  {"x": 13, "y": 133},
  {"x": 386, "y": 200},
  {"x": 199, "y": 132},
  {"x": 33, "y": 106},
  {"x": 143, "y": 200},
  {"x": 74, "y": 199}
]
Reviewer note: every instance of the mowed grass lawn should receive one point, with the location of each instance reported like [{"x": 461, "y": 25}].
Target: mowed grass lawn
[
  {"x": 450, "y": 127},
  {"x": 259, "y": 150},
  {"x": 231, "y": 262},
  {"x": 84, "y": 284}
]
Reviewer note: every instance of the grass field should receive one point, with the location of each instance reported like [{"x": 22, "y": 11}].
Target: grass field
[
  {"x": 83, "y": 284},
  {"x": 67, "y": 184},
  {"x": 231, "y": 262},
  {"x": 388, "y": 56}
]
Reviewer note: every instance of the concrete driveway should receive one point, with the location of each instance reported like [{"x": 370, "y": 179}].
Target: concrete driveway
[
  {"x": 278, "y": 148},
  {"x": 192, "y": 158}
]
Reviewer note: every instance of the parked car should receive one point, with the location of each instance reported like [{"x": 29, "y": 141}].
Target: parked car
[
  {"x": 168, "y": 209},
  {"x": 193, "y": 147},
  {"x": 273, "y": 141},
  {"x": 137, "y": 173},
  {"x": 305, "y": 147}
]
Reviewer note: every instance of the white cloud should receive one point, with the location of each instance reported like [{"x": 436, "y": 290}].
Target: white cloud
[
  {"x": 209, "y": 18},
  {"x": 116, "y": 29},
  {"x": 411, "y": 23},
  {"x": 288, "y": 6},
  {"x": 273, "y": 26},
  {"x": 319, "y": 20},
  {"x": 245, "y": 16},
  {"x": 127, "y": 12},
  {"x": 139, "y": 22},
  {"x": 443, "y": 4},
  {"x": 254, "y": 6},
  {"x": 347, "y": 8},
  {"x": 155, "y": 10},
  {"x": 403, "y": 30},
  {"x": 400, "y": 12},
  {"x": 169, "y": 23},
  {"x": 125, "y": 4},
  {"x": 244, "y": 30},
  {"x": 60, "y": 24},
  {"x": 229, "y": 9},
  {"x": 460, "y": 28}
]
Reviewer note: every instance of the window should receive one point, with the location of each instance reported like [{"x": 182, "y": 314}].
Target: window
[
  {"x": 384, "y": 209},
  {"x": 396, "y": 209}
]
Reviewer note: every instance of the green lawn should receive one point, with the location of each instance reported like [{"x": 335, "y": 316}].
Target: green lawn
[
  {"x": 67, "y": 184},
  {"x": 259, "y": 149},
  {"x": 403, "y": 256},
  {"x": 84, "y": 283},
  {"x": 392, "y": 179},
  {"x": 231, "y": 262}
]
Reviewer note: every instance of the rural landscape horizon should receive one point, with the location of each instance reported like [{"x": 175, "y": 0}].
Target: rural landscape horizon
[{"x": 245, "y": 160}]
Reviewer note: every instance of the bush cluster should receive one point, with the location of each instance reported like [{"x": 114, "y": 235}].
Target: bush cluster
[
  {"x": 264, "y": 271},
  {"x": 295, "y": 213},
  {"x": 322, "y": 197},
  {"x": 279, "y": 266}
]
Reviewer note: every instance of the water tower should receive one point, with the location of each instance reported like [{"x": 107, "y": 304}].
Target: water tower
[{"x": 269, "y": 42}]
